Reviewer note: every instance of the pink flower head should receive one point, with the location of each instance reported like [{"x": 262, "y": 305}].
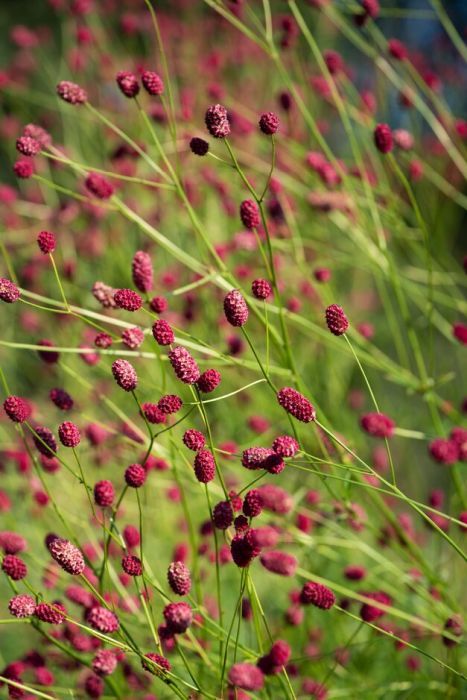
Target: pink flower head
[
  {"x": 296, "y": 404},
  {"x": 208, "y": 381},
  {"x": 46, "y": 242},
  {"x": 9, "y": 292},
  {"x": 67, "y": 555},
  {"x": 336, "y": 320},
  {"x": 318, "y": 595},
  {"x": 71, "y": 93},
  {"x": 217, "y": 121},
  {"x": 378, "y": 425},
  {"x": 269, "y": 123},
  {"x": 179, "y": 579},
  {"x": 235, "y": 308},
  {"x": 246, "y": 676},
  {"x": 383, "y": 138},
  {"x": 184, "y": 365},
  {"x": 17, "y": 409},
  {"x": 125, "y": 375},
  {"x": 142, "y": 271},
  {"x": 128, "y": 83},
  {"x": 152, "y": 82},
  {"x": 279, "y": 562}
]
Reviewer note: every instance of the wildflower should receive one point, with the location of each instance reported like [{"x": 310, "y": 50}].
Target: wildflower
[
  {"x": 199, "y": 146},
  {"x": 279, "y": 562},
  {"x": 132, "y": 565},
  {"x": 184, "y": 365},
  {"x": 285, "y": 446},
  {"x": 99, "y": 186},
  {"x": 261, "y": 289},
  {"x": 162, "y": 332},
  {"x": 152, "y": 82},
  {"x": 246, "y": 676},
  {"x": 67, "y": 555},
  {"x": 104, "y": 295},
  {"x": 243, "y": 550},
  {"x": 142, "y": 271},
  {"x": 378, "y": 425},
  {"x": 222, "y": 515},
  {"x": 318, "y": 595},
  {"x": 14, "y": 567},
  {"x": 104, "y": 662},
  {"x": 135, "y": 476},
  {"x": 104, "y": 493},
  {"x": 371, "y": 613},
  {"x": 459, "y": 331},
  {"x": 69, "y": 434},
  {"x": 296, "y": 404},
  {"x": 23, "y": 168},
  {"x": 253, "y": 503},
  {"x": 444, "y": 451},
  {"x": 454, "y": 627},
  {"x": 178, "y": 617},
  {"x": 132, "y": 337},
  {"x": 128, "y": 83},
  {"x": 9, "y": 292},
  {"x": 158, "y": 666},
  {"x": 274, "y": 661},
  {"x": 17, "y": 409},
  {"x": 102, "y": 619},
  {"x": 22, "y": 606},
  {"x": 205, "y": 466},
  {"x": 171, "y": 403},
  {"x": 235, "y": 308},
  {"x": 208, "y": 381},
  {"x": 194, "y": 440},
  {"x": 158, "y": 305},
  {"x": 46, "y": 242},
  {"x": 52, "y": 613},
  {"x": 125, "y": 375},
  {"x": 45, "y": 441},
  {"x": 249, "y": 214},
  {"x": 179, "y": 579},
  {"x": 61, "y": 399},
  {"x": 153, "y": 414},
  {"x": 336, "y": 319},
  {"x": 28, "y": 146},
  {"x": 383, "y": 138},
  {"x": 71, "y": 93},
  {"x": 217, "y": 121},
  {"x": 128, "y": 299},
  {"x": 269, "y": 123}
]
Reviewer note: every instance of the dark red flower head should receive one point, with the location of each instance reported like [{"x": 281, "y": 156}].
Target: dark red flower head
[
  {"x": 235, "y": 308},
  {"x": 17, "y": 409},
  {"x": 22, "y": 606},
  {"x": 46, "y": 242},
  {"x": 178, "y": 617},
  {"x": 378, "y": 425},
  {"x": 318, "y": 595},
  {"x": 67, "y": 555},
  {"x": 9, "y": 292},
  {"x": 99, "y": 186},
  {"x": 162, "y": 332},
  {"x": 14, "y": 567},
  {"x": 208, "y": 381},
  {"x": 249, "y": 214},
  {"x": 135, "y": 475},
  {"x": 370, "y": 613},
  {"x": 285, "y": 446},
  {"x": 179, "y": 578},
  {"x": 69, "y": 434},
  {"x": 253, "y": 503},
  {"x": 104, "y": 493},
  {"x": 246, "y": 676},
  {"x": 296, "y": 404},
  {"x": 170, "y": 403},
  {"x": 28, "y": 146},
  {"x": 279, "y": 563},
  {"x": 128, "y": 83},
  {"x": 152, "y": 82},
  {"x": 44, "y": 441},
  {"x": 184, "y": 365},
  {"x": 193, "y": 439},
  {"x": 205, "y": 466},
  {"x": 269, "y": 123},
  {"x": 132, "y": 565},
  {"x": 383, "y": 138},
  {"x": 222, "y": 515},
  {"x": 23, "y": 168},
  {"x": 444, "y": 451},
  {"x": 105, "y": 662},
  {"x": 199, "y": 146},
  {"x": 153, "y": 413},
  {"x": 71, "y": 93},
  {"x": 158, "y": 665},
  {"x": 51, "y": 613},
  {"x": 128, "y": 299},
  {"x": 217, "y": 121},
  {"x": 142, "y": 271},
  {"x": 336, "y": 319},
  {"x": 102, "y": 619},
  {"x": 125, "y": 375},
  {"x": 261, "y": 288}
]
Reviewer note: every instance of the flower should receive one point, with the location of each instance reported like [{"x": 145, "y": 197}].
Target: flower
[
  {"x": 178, "y": 617},
  {"x": 135, "y": 476},
  {"x": 246, "y": 676},
  {"x": 235, "y": 308},
  {"x": 17, "y": 409},
  {"x": 132, "y": 565},
  {"x": 14, "y": 567},
  {"x": 318, "y": 595},
  {"x": 132, "y": 337},
  {"x": 184, "y": 365},
  {"x": 162, "y": 332},
  {"x": 46, "y": 242},
  {"x": 61, "y": 399},
  {"x": 370, "y": 613},
  {"x": 296, "y": 404},
  {"x": 152, "y": 82},
  {"x": 153, "y": 413},
  {"x": 383, "y": 138},
  {"x": 178, "y": 576},
  {"x": 142, "y": 271},
  {"x": 222, "y": 515},
  {"x": 378, "y": 425},
  {"x": 444, "y": 451},
  {"x": 22, "y": 606},
  {"x": 128, "y": 299},
  {"x": 45, "y": 441},
  {"x": 128, "y": 83},
  {"x": 217, "y": 121},
  {"x": 285, "y": 446},
  {"x": 199, "y": 146},
  {"x": 125, "y": 375},
  {"x": 52, "y": 613},
  {"x": 279, "y": 562},
  {"x": 158, "y": 666},
  {"x": 105, "y": 662},
  {"x": 104, "y": 493},
  {"x": 99, "y": 186},
  {"x": 102, "y": 619},
  {"x": 9, "y": 292},
  {"x": 336, "y": 319},
  {"x": 261, "y": 289},
  {"x": 253, "y": 503},
  {"x": 194, "y": 440},
  {"x": 269, "y": 123},
  {"x": 205, "y": 466},
  {"x": 249, "y": 214},
  {"x": 71, "y": 93},
  {"x": 28, "y": 146},
  {"x": 276, "y": 659},
  {"x": 208, "y": 381},
  {"x": 67, "y": 555},
  {"x": 69, "y": 434},
  {"x": 171, "y": 403}
]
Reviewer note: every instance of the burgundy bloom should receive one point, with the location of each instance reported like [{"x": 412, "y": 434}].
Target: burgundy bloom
[
  {"x": 105, "y": 662},
  {"x": 104, "y": 493},
  {"x": 222, "y": 515},
  {"x": 11, "y": 542},
  {"x": 459, "y": 331},
  {"x": 17, "y": 409},
  {"x": 383, "y": 138},
  {"x": 158, "y": 305},
  {"x": 23, "y": 168},
  {"x": 249, "y": 214},
  {"x": 253, "y": 503},
  {"x": 99, "y": 186},
  {"x": 46, "y": 242},
  {"x": 179, "y": 579},
  {"x": 397, "y": 49},
  {"x": 71, "y": 93},
  {"x": 132, "y": 337},
  {"x": 205, "y": 466},
  {"x": 354, "y": 573},
  {"x": 378, "y": 425},
  {"x": 104, "y": 295},
  {"x": 194, "y": 440},
  {"x": 52, "y": 613},
  {"x": 135, "y": 475},
  {"x": 336, "y": 319},
  {"x": 171, "y": 403},
  {"x": 132, "y": 565},
  {"x": 48, "y": 356},
  {"x": 152, "y": 82},
  {"x": 444, "y": 451},
  {"x": 276, "y": 659},
  {"x": 199, "y": 146},
  {"x": 184, "y": 365},
  {"x": 102, "y": 619},
  {"x": 142, "y": 271},
  {"x": 128, "y": 83},
  {"x": 162, "y": 332},
  {"x": 44, "y": 435},
  {"x": 153, "y": 413},
  {"x": 279, "y": 562},
  {"x": 178, "y": 617},
  {"x": 69, "y": 434},
  {"x": 22, "y": 606},
  {"x": 261, "y": 289},
  {"x": 269, "y": 123},
  {"x": 9, "y": 292},
  {"x": 243, "y": 549},
  {"x": 61, "y": 399},
  {"x": 94, "y": 686},
  {"x": 125, "y": 375},
  {"x": 370, "y": 613},
  {"x": 296, "y": 404},
  {"x": 217, "y": 121},
  {"x": 159, "y": 664},
  {"x": 246, "y": 676},
  {"x": 285, "y": 446},
  {"x": 256, "y": 457},
  {"x": 235, "y": 308},
  {"x": 318, "y": 595},
  {"x": 14, "y": 567},
  {"x": 128, "y": 299},
  {"x": 208, "y": 381},
  {"x": 67, "y": 555},
  {"x": 28, "y": 146}
]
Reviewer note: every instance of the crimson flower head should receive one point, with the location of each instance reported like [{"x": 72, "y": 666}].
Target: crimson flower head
[
  {"x": 249, "y": 214},
  {"x": 170, "y": 403},
  {"x": 102, "y": 619},
  {"x": 378, "y": 425},
  {"x": 132, "y": 565},
  {"x": 125, "y": 375},
  {"x": 208, "y": 381},
  {"x": 71, "y": 93},
  {"x": 279, "y": 563},
  {"x": 9, "y": 292},
  {"x": 158, "y": 665},
  {"x": 184, "y": 365},
  {"x": 199, "y": 146},
  {"x": 222, "y": 515},
  {"x": 153, "y": 413},
  {"x": 69, "y": 434},
  {"x": 296, "y": 404},
  {"x": 22, "y": 606},
  {"x": 193, "y": 439},
  {"x": 205, "y": 466},
  {"x": 444, "y": 451},
  {"x": 371, "y": 613},
  {"x": 235, "y": 308},
  {"x": 285, "y": 446},
  {"x": 142, "y": 271},
  {"x": 44, "y": 441},
  {"x": 128, "y": 299},
  {"x": 17, "y": 409},
  {"x": 246, "y": 676},
  {"x": 99, "y": 186},
  {"x": 51, "y": 613},
  {"x": 383, "y": 138},
  {"x": 269, "y": 123},
  {"x": 152, "y": 82},
  {"x": 128, "y": 83},
  {"x": 46, "y": 242},
  {"x": 28, "y": 146},
  {"x": 276, "y": 659},
  {"x": 105, "y": 662},
  {"x": 179, "y": 578},
  {"x": 61, "y": 399},
  {"x": 318, "y": 595},
  {"x": 23, "y": 168},
  {"x": 178, "y": 617},
  {"x": 217, "y": 121},
  {"x": 336, "y": 319},
  {"x": 162, "y": 332},
  {"x": 14, "y": 567},
  {"x": 397, "y": 49},
  {"x": 135, "y": 476},
  {"x": 67, "y": 555},
  {"x": 104, "y": 493},
  {"x": 261, "y": 288}
]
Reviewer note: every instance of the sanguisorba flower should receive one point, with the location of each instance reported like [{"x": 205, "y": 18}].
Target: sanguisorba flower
[
  {"x": 71, "y": 93},
  {"x": 296, "y": 404},
  {"x": 217, "y": 121},
  {"x": 17, "y": 409},
  {"x": 125, "y": 375},
  {"x": 383, "y": 138},
  {"x": 152, "y": 82},
  {"x": 9, "y": 292},
  {"x": 142, "y": 271},
  {"x": 67, "y": 555},
  {"x": 235, "y": 308},
  {"x": 184, "y": 365},
  {"x": 336, "y": 320},
  {"x": 46, "y": 242},
  {"x": 316, "y": 594}
]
